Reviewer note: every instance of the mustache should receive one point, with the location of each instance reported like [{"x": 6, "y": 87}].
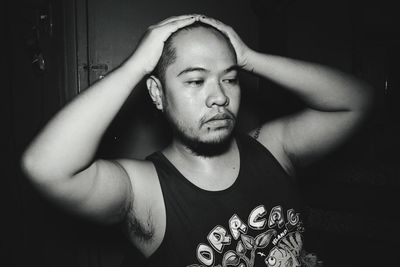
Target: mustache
[{"x": 225, "y": 115}]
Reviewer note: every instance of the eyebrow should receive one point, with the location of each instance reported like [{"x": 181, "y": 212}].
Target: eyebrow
[
  {"x": 232, "y": 68},
  {"x": 192, "y": 69}
]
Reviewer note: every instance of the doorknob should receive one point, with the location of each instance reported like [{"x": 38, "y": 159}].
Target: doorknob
[
  {"x": 96, "y": 67},
  {"x": 99, "y": 67}
]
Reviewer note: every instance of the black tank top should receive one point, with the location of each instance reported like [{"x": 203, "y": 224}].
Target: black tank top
[{"x": 256, "y": 221}]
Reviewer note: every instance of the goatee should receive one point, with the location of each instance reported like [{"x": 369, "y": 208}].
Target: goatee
[
  {"x": 210, "y": 148},
  {"x": 204, "y": 149}
]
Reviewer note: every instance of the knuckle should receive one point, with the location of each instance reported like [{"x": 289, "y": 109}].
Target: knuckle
[{"x": 153, "y": 30}]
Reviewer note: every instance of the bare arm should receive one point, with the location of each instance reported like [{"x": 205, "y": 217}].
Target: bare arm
[
  {"x": 335, "y": 102},
  {"x": 60, "y": 159}
]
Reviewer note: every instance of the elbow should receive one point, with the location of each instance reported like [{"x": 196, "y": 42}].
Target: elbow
[
  {"x": 364, "y": 103},
  {"x": 29, "y": 166},
  {"x": 363, "y": 100},
  {"x": 34, "y": 169}
]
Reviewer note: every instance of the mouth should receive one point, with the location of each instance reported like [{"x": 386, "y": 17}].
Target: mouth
[
  {"x": 220, "y": 120},
  {"x": 220, "y": 116}
]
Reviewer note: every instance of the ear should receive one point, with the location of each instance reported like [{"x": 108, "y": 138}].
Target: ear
[{"x": 154, "y": 87}]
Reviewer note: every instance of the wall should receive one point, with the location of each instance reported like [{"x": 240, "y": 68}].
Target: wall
[
  {"x": 352, "y": 194},
  {"x": 31, "y": 227}
]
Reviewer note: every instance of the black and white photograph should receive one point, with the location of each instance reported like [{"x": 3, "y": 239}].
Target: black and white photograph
[{"x": 208, "y": 133}]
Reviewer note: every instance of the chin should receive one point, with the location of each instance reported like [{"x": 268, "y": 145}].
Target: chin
[
  {"x": 217, "y": 136},
  {"x": 206, "y": 142},
  {"x": 212, "y": 144}
]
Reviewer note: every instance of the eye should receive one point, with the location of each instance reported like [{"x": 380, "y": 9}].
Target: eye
[
  {"x": 231, "y": 80},
  {"x": 271, "y": 261},
  {"x": 195, "y": 82}
]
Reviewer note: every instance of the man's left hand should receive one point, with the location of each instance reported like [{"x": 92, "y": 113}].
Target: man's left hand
[{"x": 242, "y": 50}]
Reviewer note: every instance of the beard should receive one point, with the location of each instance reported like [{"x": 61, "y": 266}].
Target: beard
[{"x": 208, "y": 148}]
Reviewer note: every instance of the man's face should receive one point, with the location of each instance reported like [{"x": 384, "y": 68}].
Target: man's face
[{"x": 202, "y": 92}]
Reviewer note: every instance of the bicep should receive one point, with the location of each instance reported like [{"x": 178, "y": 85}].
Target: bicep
[
  {"x": 100, "y": 192},
  {"x": 302, "y": 138},
  {"x": 312, "y": 134}
]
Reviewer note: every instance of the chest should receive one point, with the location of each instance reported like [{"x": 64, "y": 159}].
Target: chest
[
  {"x": 204, "y": 226},
  {"x": 210, "y": 174},
  {"x": 217, "y": 178}
]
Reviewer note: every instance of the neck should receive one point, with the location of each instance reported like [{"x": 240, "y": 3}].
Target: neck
[
  {"x": 179, "y": 152},
  {"x": 213, "y": 173}
]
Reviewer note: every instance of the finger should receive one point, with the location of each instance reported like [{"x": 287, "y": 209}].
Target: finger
[
  {"x": 169, "y": 19},
  {"x": 213, "y": 22},
  {"x": 175, "y": 25},
  {"x": 218, "y": 25},
  {"x": 175, "y": 18}
]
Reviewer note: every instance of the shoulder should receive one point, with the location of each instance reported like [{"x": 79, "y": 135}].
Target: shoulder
[
  {"x": 137, "y": 169},
  {"x": 269, "y": 136},
  {"x": 143, "y": 177}
]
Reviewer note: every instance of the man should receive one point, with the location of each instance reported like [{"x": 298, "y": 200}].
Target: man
[{"x": 213, "y": 197}]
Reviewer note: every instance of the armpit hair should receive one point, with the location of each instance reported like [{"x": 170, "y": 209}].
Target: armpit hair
[{"x": 143, "y": 231}]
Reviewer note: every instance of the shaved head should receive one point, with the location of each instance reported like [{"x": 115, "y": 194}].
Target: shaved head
[{"x": 169, "y": 54}]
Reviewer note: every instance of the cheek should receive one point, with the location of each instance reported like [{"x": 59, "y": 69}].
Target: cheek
[
  {"x": 234, "y": 98},
  {"x": 183, "y": 108},
  {"x": 182, "y": 104},
  {"x": 183, "y": 100}
]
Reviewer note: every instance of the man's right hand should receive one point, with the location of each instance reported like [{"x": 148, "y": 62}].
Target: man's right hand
[{"x": 150, "y": 48}]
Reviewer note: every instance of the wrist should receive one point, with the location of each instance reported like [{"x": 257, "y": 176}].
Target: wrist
[
  {"x": 250, "y": 57},
  {"x": 136, "y": 66}
]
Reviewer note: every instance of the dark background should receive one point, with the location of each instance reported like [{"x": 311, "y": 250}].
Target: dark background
[{"x": 52, "y": 50}]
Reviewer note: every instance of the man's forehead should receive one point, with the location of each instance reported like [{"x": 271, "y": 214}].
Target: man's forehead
[
  {"x": 201, "y": 47},
  {"x": 199, "y": 33}
]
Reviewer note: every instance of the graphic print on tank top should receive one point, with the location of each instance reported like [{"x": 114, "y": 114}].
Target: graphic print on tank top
[
  {"x": 255, "y": 222},
  {"x": 267, "y": 238}
]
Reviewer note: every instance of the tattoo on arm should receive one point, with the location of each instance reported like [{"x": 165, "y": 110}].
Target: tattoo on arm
[{"x": 257, "y": 132}]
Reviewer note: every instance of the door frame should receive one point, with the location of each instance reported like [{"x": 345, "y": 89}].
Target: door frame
[{"x": 76, "y": 47}]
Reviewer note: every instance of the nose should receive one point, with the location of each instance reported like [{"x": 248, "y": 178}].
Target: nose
[{"x": 217, "y": 96}]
